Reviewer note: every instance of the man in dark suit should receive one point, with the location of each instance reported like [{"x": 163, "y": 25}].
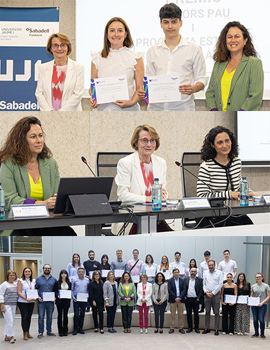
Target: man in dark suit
[
  {"x": 194, "y": 296},
  {"x": 177, "y": 292}
]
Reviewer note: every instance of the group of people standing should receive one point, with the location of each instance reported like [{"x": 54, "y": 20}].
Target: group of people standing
[
  {"x": 236, "y": 82},
  {"x": 141, "y": 284}
]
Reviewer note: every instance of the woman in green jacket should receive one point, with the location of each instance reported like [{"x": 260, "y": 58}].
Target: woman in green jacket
[
  {"x": 237, "y": 78},
  {"x": 126, "y": 292}
]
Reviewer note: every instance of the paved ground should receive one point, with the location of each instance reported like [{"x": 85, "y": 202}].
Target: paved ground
[{"x": 135, "y": 340}]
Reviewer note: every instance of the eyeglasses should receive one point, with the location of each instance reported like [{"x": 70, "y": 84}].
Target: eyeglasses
[
  {"x": 145, "y": 141},
  {"x": 56, "y": 46}
]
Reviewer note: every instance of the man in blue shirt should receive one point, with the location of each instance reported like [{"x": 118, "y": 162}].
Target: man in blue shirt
[
  {"x": 79, "y": 285},
  {"x": 45, "y": 284},
  {"x": 177, "y": 292}
]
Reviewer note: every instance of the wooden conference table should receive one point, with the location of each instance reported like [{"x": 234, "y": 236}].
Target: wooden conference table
[{"x": 144, "y": 217}]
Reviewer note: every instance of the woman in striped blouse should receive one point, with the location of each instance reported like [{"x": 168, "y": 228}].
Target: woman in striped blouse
[{"x": 220, "y": 174}]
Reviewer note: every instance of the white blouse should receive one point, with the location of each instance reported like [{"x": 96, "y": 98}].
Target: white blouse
[
  {"x": 26, "y": 285},
  {"x": 118, "y": 62}
]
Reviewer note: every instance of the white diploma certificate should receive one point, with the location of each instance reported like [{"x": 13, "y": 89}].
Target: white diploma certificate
[
  {"x": 104, "y": 273},
  {"x": 242, "y": 299},
  {"x": 118, "y": 273},
  {"x": 135, "y": 279},
  {"x": 182, "y": 271},
  {"x": 48, "y": 296},
  {"x": 107, "y": 90},
  {"x": 31, "y": 294},
  {"x": 162, "y": 88},
  {"x": 166, "y": 275},
  {"x": 91, "y": 274},
  {"x": 64, "y": 294},
  {"x": 253, "y": 301},
  {"x": 230, "y": 299},
  {"x": 82, "y": 297},
  {"x": 150, "y": 272}
]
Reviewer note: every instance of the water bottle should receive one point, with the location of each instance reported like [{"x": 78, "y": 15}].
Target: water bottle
[
  {"x": 2, "y": 203},
  {"x": 156, "y": 195},
  {"x": 244, "y": 192}
]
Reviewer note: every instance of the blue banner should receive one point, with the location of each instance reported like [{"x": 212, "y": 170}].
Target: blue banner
[{"x": 24, "y": 33}]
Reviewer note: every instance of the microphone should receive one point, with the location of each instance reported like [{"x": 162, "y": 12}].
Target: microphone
[
  {"x": 180, "y": 165},
  {"x": 85, "y": 162}
]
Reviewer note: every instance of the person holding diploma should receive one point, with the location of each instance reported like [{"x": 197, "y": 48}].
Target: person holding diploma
[
  {"x": 165, "y": 267},
  {"x": 229, "y": 288},
  {"x": 126, "y": 292},
  {"x": 259, "y": 290},
  {"x": 79, "y": 285},
  {"x": 144, "y": 293},
  {"x": 25, "y": 304},
  {"x": 96, "y": 296},
  {"x": 62, "y": 304},
  {"x": 237, "y": 78},
  {"x": 8, "y": 303},
  {"x": 136, "y": 173},
  {"x": 60, "y": 83},
  {"x": 160, "y": 297},
  {"x": 72, "y": 268},
  {"x": 117, "y": 58},
  {"x": 149, "y": 265},
  {"x": 175, "y": 54},
  {"x": 220, "y": 174},
  {"x": 242, "y": 311},
  {"x": 45, "y": 284},
  {"x": 110, "y": 295},
  {"x": 104, "y": 265}
]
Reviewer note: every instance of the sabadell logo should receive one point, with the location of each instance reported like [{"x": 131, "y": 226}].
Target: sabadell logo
[{"x": 33, "y": 30}]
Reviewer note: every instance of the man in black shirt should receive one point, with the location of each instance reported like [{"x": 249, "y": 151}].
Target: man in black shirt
[{"x": 90, "y": 266}]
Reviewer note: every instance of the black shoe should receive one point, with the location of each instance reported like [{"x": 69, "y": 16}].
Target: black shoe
[
  {"x": 96, "y": 330},
  {"x": 75, "y": 332},
  {"x": 51, "y": 334},
  {"x": 206, "y": 331},
  {"x": 81, "y": 331},
  {"x": 61, "y": 334},
  {"x": 263, "y": 336},
  {"x": 197, "y": 330},
  {"x": 216, "y": 333},
  {"x": 65, "y": 334},
  {"x": 161, "y": 331},
  {"x": 87, "y": 309},
  {"x": 182, "y": 331},
  {"x": 156, "y": 330},
  {"x": 201, "y": 311},
  {"x": 189, "y": 330},
  {"x": 171, "y": 331},
  {"x": 255, "y": 335}
]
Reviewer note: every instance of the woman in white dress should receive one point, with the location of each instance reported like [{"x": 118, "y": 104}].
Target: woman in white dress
[{"x": 116, "y": 58}]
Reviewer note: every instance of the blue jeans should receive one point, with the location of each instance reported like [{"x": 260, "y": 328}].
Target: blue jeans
[
  {"x": 258, "y": 316},
  {"x": 79, "y": 312},
  {"x": 47, "y": 306}
]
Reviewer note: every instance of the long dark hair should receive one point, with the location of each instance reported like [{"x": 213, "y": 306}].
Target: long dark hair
[
  {"x": 208, "y": 152},
  {"x": 156, "y": 277},
  {"x": 195, "y": 266},
  {"x": 16, "y": 147},
  {"x": 23, "y": 276},
  {"x": 222, "y": 53},
  {"x": 152, "y": 259},
  {"x": 245, "y": 282},
  {"x": 60, "y": 278},
  {"x": 122, "y": 280},
  {"x": 107, "y": 263},
  {"x": 96, "y": 272}
]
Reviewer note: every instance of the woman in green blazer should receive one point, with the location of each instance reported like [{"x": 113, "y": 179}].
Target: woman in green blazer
[
  {"x": 237, "y": 78},
  {"x": 126, "y": 292}
]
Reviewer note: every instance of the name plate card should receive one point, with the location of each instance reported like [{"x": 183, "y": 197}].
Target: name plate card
[
  {"x": 28, "y": 211},
  {"x": 266, "y": 198},
  {"x": 195, "y": 203}
]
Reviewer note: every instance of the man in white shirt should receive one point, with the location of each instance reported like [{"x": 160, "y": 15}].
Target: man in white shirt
[
  {"x": 175, "y": 54},
  {"x": 227, "y": 265},
  {"x": 202, "y": 269},
  {"x": 177, "y": 264},
  {"x": 212, "y": 284}
]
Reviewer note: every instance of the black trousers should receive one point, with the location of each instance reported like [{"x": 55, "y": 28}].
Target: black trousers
[
  {"x": 79, "y": 312},
  {"x": 98, "y": 309},
  {"x": 26, "y": 310},
  {"x": 192, "y": 304},
  {"x": 159, "y": 314},
  {"x": 62, "y": 319},
  {"x": 111, "y": 310},
  {"x": 126, "y": 316},
  {"x": 226, "y": 311}
]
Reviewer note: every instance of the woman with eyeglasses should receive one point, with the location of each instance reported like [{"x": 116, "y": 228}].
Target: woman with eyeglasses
[
  {"x": 136, "y": 173},
  {"x": 259, "y": 290},
  {"x": 61, "y": 81}
]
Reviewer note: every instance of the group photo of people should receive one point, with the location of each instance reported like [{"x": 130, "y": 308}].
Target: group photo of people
[{"x": 163, "y": 287}]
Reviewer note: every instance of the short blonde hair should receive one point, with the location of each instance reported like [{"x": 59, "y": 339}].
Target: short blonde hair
[
  {"x": 143, "y": 275},
  {"x": 119, "y": 250},
  {"x": 135, "y": 137},
  {"x": 64, "y": 40}
]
